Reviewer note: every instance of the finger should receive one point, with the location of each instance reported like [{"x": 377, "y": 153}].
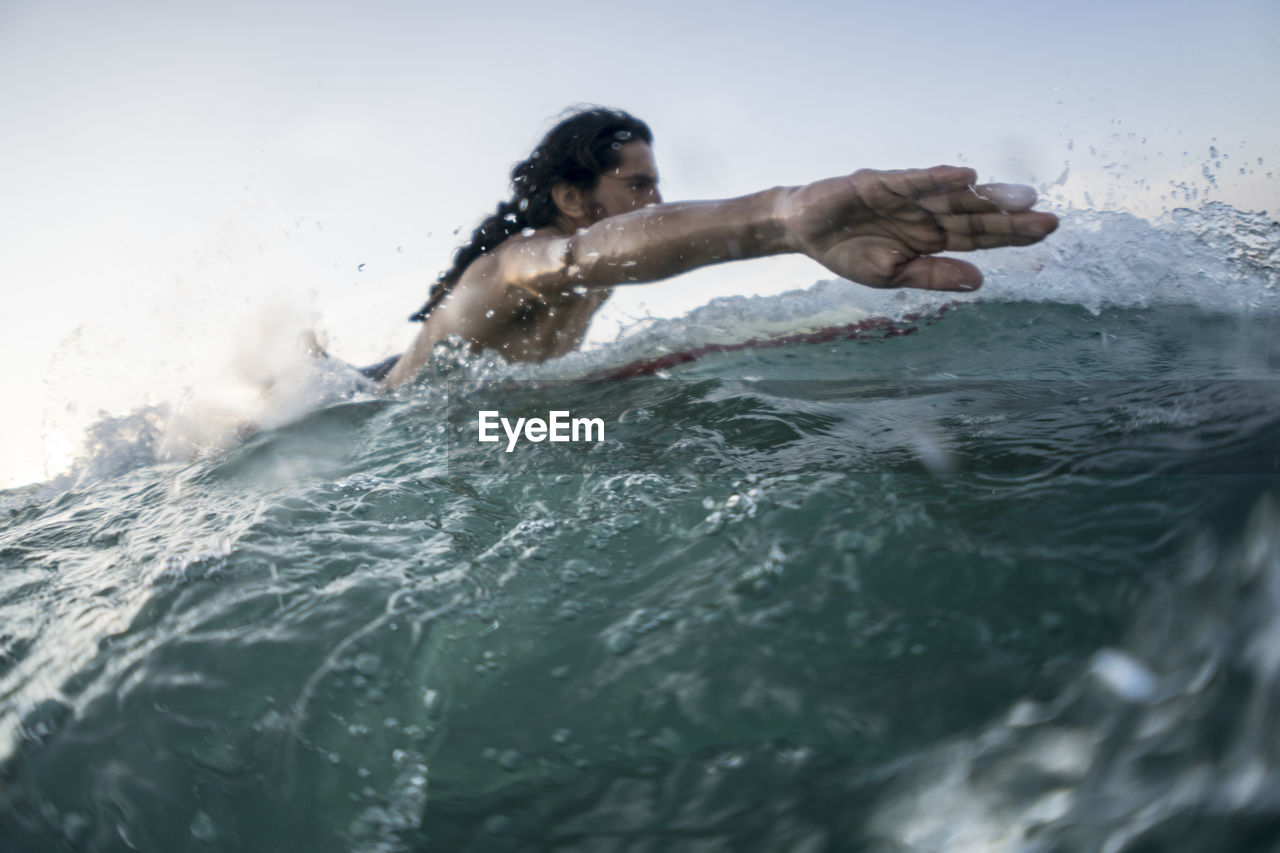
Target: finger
[
  {"x": 939, "y": 179},
  {"x": 966, "y": 232},
  {"x": 915, "y": 183},
  {"x": 984, "y": 198},
  {"x": 1011, "y": 198},
  {"x": 933, "y": 273},
  {"x": 889, "y": 189}
]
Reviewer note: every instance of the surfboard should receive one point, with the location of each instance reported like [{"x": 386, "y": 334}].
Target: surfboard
[{"x": 872, "y": 327}]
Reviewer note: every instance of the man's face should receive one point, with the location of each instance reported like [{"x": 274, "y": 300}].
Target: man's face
[{"x": 631, "y": 186}]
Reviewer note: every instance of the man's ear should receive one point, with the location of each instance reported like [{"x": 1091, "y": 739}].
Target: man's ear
[{"x": 570, "y": 200}]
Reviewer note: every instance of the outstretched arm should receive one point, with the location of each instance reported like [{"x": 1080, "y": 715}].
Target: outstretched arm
[{"x": 881, "y": 229}]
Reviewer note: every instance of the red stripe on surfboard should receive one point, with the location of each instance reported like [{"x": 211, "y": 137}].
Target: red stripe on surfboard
[{"x": 883, "y": 325}]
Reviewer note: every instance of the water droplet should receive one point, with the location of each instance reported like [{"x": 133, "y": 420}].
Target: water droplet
[
  {"x": 527, "y": 232},
  {"x": 508, "y": 760},
  {"x": 360, "y": 268},
  {"x": 621, "y": 642},
  {"x": 202, "y": 828},
  {"x": 1124, "y": 675},
  {"x": 561, "y": 735},
  {"x": 368, "y": 664},
  {"x": 524, "y": 205},
  {"x": 74, "y": 828},
  {"x": 434, "y": 703}
]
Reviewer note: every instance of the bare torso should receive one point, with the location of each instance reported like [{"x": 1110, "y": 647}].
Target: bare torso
[{"x": 544, "y": 329}]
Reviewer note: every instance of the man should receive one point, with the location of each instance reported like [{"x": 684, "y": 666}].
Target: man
[{"x": 586, "y": 215}]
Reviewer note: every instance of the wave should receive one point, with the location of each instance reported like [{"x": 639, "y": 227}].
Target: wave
[
  {"x": 1164, "y": 742},
  {"x": 862, "y": 581},
  {"x": 1215, "y": 259}
]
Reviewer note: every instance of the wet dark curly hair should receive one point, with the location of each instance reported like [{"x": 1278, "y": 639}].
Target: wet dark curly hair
[{"x": 576, "y": 151}]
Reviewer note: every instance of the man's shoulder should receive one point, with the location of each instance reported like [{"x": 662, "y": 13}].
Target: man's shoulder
[
  {"x": 534, "y": 263},
  {"x": 530, "y": 239},
  {"x": 490, "y": 278}
]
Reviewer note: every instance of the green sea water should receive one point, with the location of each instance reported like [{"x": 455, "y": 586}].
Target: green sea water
[{"x": 1003, "y": 576}]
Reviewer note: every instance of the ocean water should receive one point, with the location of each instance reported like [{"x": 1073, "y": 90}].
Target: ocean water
[{"x": 1001, "y": 575}]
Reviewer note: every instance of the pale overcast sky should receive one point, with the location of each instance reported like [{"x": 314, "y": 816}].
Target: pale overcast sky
[{"x": 172, "y": 169}]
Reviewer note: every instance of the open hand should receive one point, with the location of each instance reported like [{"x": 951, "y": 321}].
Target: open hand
[{"x": 883, "y": 228}]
